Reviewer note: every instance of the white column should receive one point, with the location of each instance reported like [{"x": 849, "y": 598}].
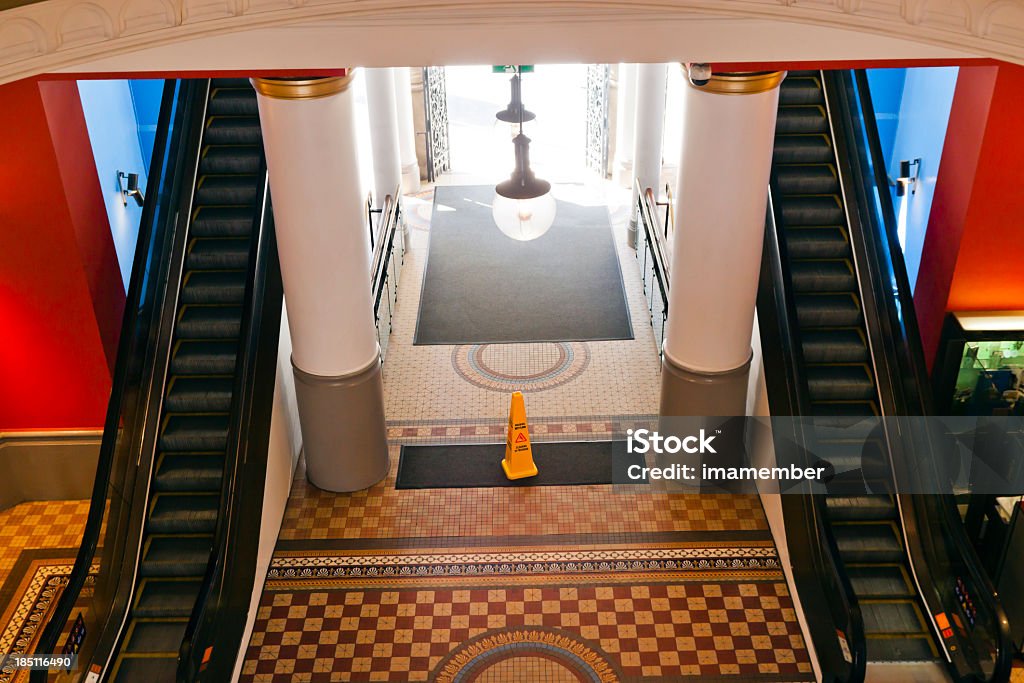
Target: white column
[
  {"x": 625, "y": 109},
  {"x": 387, "y": 164},
  {"x": 406, "y": 131},
  {"x": 309, "y": 134},
  {"x": 650, "y": 122},
  {"x": 720, "y": 203}
]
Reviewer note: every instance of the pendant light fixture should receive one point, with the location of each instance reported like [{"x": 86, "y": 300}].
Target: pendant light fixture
[
  {"x": 523, "y": 207},
  {"x": 515, "y": 111}
]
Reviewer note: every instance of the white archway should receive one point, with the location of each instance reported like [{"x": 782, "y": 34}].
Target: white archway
[{"x": 113, "y": 36}]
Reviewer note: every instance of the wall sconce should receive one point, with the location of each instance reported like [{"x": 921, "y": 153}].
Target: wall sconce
[
  {"x": 909, "y": 171},
  {"x": 129, "y": 188}
]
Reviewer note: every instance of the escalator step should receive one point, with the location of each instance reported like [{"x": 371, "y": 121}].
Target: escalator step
[
  {"x": 183, "y": 513},
  {"x": 219, "y": 221},
  {"x": 859, "y": 508},
  {"x": 233, "y": 130},
  {"x": 230, "y": 160},
  {"x": 218, "y": 254},
  {"x": 840, "y": 383},
  {"x": 803, "y": 149},
  {"x": 801, "y": 119},
  {"x": 173, "y": 598},
  {"x": 147, "y": 637},
  {"x": 842, "y": 345},
  {"x": 209, "y": 322},
  {"x": 199, "y": 395},
  {"x": 818, "y": 242},
  {"x": 204, "y": 358},
  {"x": 184, "y": 433},
  {"x": 132, "y": 669},
  {"x": 814, "y": 210},
  {"x": 233, "y": 101},
  {"x": 176, "y": 556},
  {"x": 871, "y": 542},
  {"x": 880, "y": 580},
  {"x": 188, "y": 472},
  {"x": 807, "y": 179},
  {"x": 827, "y": 310},
  {"x": 801, "y": 90},
  {"x": 228, "y": 190},
  {"x": 843, "y": 409},
  {"x": 824, "y": 275},
  {"x": 901, "y": 649},
  {"x": 892, "y": 617},
  {"x": 213, "y": 287}
]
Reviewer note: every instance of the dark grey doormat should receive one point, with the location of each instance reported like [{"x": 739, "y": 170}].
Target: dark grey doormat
[
  {"x": 480, "y": 286},
  {"x": 561, "y": 463}
]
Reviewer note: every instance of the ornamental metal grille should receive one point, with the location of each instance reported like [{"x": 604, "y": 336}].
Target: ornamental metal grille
[
  {"x": 598, "y": 78},
  {"x": 435, "y": 100}
]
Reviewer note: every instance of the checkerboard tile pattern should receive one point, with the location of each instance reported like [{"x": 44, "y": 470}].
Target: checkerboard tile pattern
[
  {"x": 41, "y": 524},
  {"x": 714, "y": 629},
  {"x": 383, "y": 511}
]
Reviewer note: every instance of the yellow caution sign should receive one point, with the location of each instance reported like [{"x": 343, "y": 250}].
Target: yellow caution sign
[{"x": 518, "y": 462}]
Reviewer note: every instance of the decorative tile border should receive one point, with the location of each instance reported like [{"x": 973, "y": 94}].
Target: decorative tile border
[
  {"x": 738, "y": 558},
  {"x": 42, "y": 589},
  {"x": 573, "y": 428}
]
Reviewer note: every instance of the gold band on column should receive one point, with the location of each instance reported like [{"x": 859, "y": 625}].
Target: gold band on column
[
  {"x": 302, "y": 88},
  {"x": 740, "y": 82}
]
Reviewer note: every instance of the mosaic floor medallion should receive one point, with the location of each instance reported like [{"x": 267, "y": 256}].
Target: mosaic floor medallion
[
  {"x": 520, "y": 367},
  {"x": 526, "y": 655}
]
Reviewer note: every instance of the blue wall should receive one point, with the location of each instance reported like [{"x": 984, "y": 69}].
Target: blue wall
[
  {"x": 121, "y": 141},
  {"x": 912, "y": 108}
]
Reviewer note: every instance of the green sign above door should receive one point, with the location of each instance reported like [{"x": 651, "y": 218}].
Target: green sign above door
[{"x": 511, "y": 68}]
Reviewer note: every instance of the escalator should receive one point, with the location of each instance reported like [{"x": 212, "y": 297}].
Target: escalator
[
  {"x": 191, "y": 449},
  {"x": 183, "y": 464},
  {"x": 880, "y": 573},
  {"x": 814, "y": 232}
]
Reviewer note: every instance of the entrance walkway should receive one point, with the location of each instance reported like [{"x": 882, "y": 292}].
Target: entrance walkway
[{"x": 531, "y": 583}]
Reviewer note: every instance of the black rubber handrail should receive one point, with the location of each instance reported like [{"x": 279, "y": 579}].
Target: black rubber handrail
[
  {"x": 937, "y": 542},
  {"x": 213, "y": 637},
  {"x": 146, "y": 301},
  {"x": 823, "y": 585}
]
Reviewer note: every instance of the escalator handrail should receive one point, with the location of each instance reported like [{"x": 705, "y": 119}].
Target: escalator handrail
[
  {"x": 219, "y": 616},
  {"x": 903, "y": 368},
  {"x": 813, "y": 549},
  {"x": 148, "y": 291}
]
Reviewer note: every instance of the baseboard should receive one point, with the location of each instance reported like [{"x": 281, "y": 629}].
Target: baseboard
[{"x": 47, "y": 465}]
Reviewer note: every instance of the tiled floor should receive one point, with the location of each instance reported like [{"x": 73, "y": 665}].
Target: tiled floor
[
  {"x": 522, "y": 584},
  {"x": 38, "y": 544},
  {"x": 429, "y": 383},
  {"x": 43, "y": 524}
]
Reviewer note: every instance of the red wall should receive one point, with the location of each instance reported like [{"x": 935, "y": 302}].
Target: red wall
[
  {"x": 973, "y": 256},
  {"x": 60, "y": 292}
]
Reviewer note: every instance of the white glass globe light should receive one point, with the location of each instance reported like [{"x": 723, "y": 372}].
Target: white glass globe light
[{"x": 524, "y": 219}]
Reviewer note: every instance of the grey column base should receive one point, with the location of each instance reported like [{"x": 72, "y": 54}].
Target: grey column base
[
  {"x": 717, "y": 401},
  {"x": 631, "y": 234},
  {"x": 688, "y": 392},
  {"x": 344, "y": 437}
]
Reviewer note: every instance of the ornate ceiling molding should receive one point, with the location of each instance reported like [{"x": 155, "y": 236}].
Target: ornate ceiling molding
[{"x": 54, "y": 34}]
